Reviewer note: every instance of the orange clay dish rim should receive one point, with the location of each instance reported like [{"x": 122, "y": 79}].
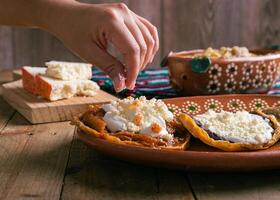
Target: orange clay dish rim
[
  {"x": 214, "y": 153},
  {"x": 82, "y": 135},
  {"x": 201, "y": 134},
  {"x": 181, "y": 56},
  {"x": 111, "y": 139}
]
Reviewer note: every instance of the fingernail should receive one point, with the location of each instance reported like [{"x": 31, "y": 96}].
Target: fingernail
[
  {"x": 119, "y": 83},
  {"x": 131, "y": 86}
]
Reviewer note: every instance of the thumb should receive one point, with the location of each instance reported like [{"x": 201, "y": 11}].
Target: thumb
[{"x": 107, "y": 63}]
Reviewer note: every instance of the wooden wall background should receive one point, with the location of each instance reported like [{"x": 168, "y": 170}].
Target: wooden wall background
[{"x": 182, "y": 24}]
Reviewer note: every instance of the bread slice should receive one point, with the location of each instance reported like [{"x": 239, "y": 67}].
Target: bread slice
[
  {"x": 54, "y": 89},
  {"x": 68, "y": 70},
  {"x": 29, "y": 78}
]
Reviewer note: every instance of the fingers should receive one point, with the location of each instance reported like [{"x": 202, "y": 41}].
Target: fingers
[
  {"x": 150, "y": 43},
  {"x": 139, "y": 38},
  {"x": 134, "y": 37},
  {"x": 153, "y": 32},
  {"x": 135, "y": 41},
  {"x": 110, "y": 65},
  {"x": 123, "y": 40}
]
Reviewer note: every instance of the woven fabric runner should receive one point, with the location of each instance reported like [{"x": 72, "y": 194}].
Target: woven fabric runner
[{"x": 152, "y": 83}]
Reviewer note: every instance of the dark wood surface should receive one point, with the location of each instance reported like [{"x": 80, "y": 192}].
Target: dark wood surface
[
  {"x": 47, "y": 161},
  {"x": 182, "y": 24}
]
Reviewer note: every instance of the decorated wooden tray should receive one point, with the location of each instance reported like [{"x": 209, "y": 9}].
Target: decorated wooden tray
[{"x": 199, "y": 157}]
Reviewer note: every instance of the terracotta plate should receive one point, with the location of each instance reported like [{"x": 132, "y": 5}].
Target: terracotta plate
[{"x": 199, "y": 157}]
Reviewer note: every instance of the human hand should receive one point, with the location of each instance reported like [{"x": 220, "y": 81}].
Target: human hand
[{"x": 86, "y": 29}]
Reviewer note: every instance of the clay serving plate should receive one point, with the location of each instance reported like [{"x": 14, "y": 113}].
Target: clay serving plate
[
  {"x": 204, "y": 76},
  {"x": 199, "y": 157}
]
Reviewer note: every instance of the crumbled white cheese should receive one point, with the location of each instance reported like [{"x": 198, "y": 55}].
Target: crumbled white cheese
[
  {"x": 225, "y": 52},
  {"x": 139, "y": 116},
  {"x": 68, "y": 89},
  {"x": 239, "y": 127}
]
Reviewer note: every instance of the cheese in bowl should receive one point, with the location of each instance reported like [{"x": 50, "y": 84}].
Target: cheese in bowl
[
  {"x": 225, "y": 52},
  {"x": 136, "y": 121},
  {"x": 230, "y": 131}
]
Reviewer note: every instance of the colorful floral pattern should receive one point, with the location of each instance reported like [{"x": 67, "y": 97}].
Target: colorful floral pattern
[
  {"x": 257, "y": 81},
  {"x": 214, "y": 105},
  {"x": 257, "y": 104},
  {"x": 276, "y": 104},
  {"x": 215, "y": 71},
  {"x": 176, "y": 110},
  {"x": 263, "y": 76},
  {"x": 258, "y": 69},
  {"x": 278, "y": 69},
  {"x": 190, "y": 107},
  {"x": 236, "y": 105},
  {"x": 245, "y": 83},
  {"x": 230, "y": 85},
  {"x": 231, "y": 70},
  {"x": 247, "y": 70},
  {"x": 267, "y": 81},
  {"x": 272, "y": 69},
  {"x": 262, "y": 68},
  {"x": 214, "y": 86},
  {"x": 194, "y": 107}
]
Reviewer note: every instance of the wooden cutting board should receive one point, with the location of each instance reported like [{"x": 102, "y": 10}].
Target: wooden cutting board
[{"x": 38, "y": 110}]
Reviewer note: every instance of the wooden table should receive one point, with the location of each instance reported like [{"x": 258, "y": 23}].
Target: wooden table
[{"x": 47, "y": 161}]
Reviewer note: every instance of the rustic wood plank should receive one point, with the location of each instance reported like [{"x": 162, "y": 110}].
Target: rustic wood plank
[
  {"x": 173, "y": 185},
  {"x": 233, "y": 186},
  {"x": 151, "y": 10},
  {"x": 6, "y": 112},
  {"x": 268, "y": 32},
  {"x": 197, "y": 24},
  {"x": 33, "y": 159},
  {"x": 250, "y": 25},
  {"x": 6, "y": 76},
  {"x": 91, "y": 175},
  {"x": 22, "y": 47},
  {"x": 183, "y": 24},
  {"x": 45, "y": 45},
  {"x": 34, "y": 47},
  {"x": 219, "y": 23},
  {"x": 6, "y": 48}
]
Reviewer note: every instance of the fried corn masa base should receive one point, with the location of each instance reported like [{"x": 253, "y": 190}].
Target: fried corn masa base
[
  {"x": 91, "y": 122},
  {"x": 198, "y": 132}
]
